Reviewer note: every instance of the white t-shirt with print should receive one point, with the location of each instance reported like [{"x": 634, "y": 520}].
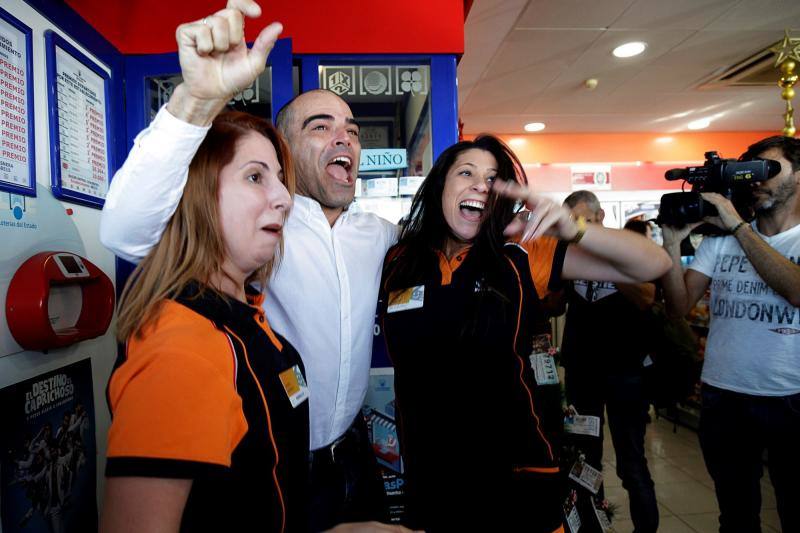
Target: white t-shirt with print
[{"x": 753, "y": 345}]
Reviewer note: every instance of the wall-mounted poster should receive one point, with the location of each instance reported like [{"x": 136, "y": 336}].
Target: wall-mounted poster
[
  {"x": 379, "y": 410},
  {"x": 17, "y": 154},
  {"x": 591, "y": 177},
  {"x": 48, "y": 461},
  {"x": 80, "y": 125}
]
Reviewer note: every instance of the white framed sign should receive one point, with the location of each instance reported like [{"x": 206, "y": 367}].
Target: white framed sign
[
  {"x": 80, "y": 125},
  {"x": 17, "y": 154}
]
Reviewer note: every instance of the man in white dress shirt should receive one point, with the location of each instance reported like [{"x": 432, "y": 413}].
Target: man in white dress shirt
[{"x": 322, "y": 297}]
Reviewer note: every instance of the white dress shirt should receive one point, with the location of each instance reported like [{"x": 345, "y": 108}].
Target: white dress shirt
[{"x": 324, "y": 293}]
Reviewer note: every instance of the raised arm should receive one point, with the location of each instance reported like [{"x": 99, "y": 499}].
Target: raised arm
[
  {"x": 601, "y": 254},
  {"x": 215, "y": 64}
]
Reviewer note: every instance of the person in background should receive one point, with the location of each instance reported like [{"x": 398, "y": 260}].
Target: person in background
[
  {"x": 323, "y": 298},
  {"x": 751, "y": 371},
  {"x": 603, "y": 351},
  {"x": 460, "y": 304}
]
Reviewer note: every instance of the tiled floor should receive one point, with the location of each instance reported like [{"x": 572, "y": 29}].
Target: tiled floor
[{"x": 684, "y": 490}]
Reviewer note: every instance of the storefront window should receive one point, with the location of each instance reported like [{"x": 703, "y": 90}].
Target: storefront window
[{"x": 255, "y": 99}]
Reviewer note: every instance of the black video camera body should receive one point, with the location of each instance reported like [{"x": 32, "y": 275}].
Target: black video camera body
[{"x": 731, "y": 178}]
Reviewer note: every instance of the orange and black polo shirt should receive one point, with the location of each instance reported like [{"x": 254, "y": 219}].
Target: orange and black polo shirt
[
  {"x": 200, "y": 396},
  {"x": 475, "y": 449}
]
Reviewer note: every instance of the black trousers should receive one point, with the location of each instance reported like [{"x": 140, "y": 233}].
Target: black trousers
[
  {"x": 345, "y": 485},
  {"x": 735, "y": 430},
  {"x": 627, "y": 403}
]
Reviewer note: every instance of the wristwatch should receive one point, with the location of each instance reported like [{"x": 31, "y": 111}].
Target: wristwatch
[{"x": 580, "y": 223}]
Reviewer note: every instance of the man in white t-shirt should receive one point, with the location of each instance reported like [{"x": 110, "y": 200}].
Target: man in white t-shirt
[
  {"x": 751, "y": 373},
  {"x": 322, "y": 297}
]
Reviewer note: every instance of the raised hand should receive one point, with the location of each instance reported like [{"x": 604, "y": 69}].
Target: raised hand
[
  {"x": 215, "y": 61},
  {"x": 727, "y": 217},
  {"x": 673, "y": 236},
  {"x": 544, "y": 218}
]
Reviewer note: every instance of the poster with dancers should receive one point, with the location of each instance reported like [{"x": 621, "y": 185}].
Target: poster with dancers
[{"x": 48, "y": 464}]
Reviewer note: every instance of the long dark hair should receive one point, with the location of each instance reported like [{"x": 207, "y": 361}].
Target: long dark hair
[{"x": 426, "y": 231}]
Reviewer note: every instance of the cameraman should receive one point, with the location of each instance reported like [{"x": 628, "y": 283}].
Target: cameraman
[{"x": 751, "y": 373}]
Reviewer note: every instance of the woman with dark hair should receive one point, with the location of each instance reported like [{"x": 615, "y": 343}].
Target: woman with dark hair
[{"x": 459, "y": 309}]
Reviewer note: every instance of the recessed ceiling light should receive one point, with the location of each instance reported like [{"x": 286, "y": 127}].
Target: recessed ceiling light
[
  {"x": 699, "y": 124},
  {"x": 630, "y": 49},
  {"x": 534, "y": 126}
]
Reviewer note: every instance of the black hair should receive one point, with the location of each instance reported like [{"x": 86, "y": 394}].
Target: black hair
[
  {"x": 638, "y": 225},
  {"x": 789, "y": 147},
  {"x": 426, "y": 231}
]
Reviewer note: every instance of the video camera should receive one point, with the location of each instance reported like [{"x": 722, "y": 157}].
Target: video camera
[{"x": 728, "y": 177}]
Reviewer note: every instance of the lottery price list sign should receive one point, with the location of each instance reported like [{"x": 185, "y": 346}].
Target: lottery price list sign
[
  {"x": 81, "y": 119},
  {"x": 16, "y": 136}
]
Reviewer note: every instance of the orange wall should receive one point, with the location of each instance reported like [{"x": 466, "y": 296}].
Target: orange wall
[
  {"x": 628, "y": 147},
  {"x": 547, "y": 157}
]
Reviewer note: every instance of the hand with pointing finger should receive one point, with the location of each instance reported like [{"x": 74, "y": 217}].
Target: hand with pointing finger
[{"x": 544, "y": 218}]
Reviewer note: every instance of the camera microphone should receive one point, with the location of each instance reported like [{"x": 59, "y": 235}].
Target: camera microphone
[{"x": 676, "y": 174}]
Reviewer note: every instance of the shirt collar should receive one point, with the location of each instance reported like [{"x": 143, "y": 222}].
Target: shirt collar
[
  {"x": 308, "y": 209},
  {"x": 220, "y": 307}
]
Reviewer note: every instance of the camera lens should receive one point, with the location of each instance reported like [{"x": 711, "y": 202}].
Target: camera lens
[{"x": 681, "y": 208}]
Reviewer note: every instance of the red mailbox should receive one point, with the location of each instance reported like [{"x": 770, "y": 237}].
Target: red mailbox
[{"x": 29, "y": 294}]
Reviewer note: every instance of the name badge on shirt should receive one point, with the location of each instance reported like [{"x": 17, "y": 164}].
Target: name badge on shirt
[
  {"x": 295, "y": 385},
  {"x": 403, "y": 300}
]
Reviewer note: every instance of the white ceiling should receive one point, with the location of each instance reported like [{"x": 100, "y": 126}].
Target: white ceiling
[{"x": 526, "y": 60}]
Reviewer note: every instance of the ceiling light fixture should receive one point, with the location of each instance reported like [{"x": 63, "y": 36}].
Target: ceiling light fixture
[
  {"x": 534, "y": 126},
  {"x": 629, "y": 49},
  {"x": 699, "y": 124},
  {"x": 664, "y": 140}
]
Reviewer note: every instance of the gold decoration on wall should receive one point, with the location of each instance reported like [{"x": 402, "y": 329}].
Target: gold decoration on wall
[{"x": 788, "y": 56}]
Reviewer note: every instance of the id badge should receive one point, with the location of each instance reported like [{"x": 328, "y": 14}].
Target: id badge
[
  {"x": 403, "y": 300},
  {"x": 586, "y": 476},
  {"x": 542, "y": 361},
  {"x": 582, "y": 425},
  {"x": 295, "y": 385}
]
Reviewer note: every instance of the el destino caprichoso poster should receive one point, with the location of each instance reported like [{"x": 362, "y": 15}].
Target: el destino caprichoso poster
[{"x": 48, "y": 462}]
